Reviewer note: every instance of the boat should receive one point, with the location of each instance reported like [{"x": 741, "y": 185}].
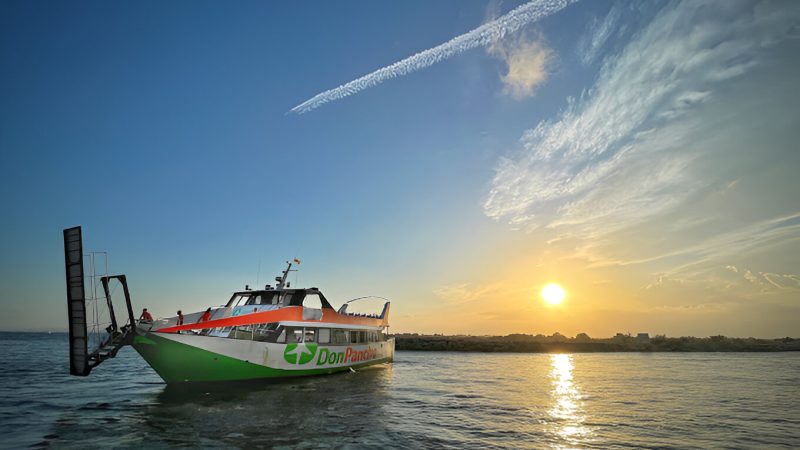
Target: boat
[{"x": 260, "y": 334}]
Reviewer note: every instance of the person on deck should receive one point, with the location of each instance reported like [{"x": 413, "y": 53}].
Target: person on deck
[
  {"x": 206, "y": 316},
  {"x": 146, "y": 316},
  {"x": 180, "y": 318}
]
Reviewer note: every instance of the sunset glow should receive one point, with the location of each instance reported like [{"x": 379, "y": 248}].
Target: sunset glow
[{"x": 588, "y": 167}]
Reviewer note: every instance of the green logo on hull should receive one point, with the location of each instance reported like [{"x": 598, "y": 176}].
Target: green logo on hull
[{"x": 299, "y": 353}]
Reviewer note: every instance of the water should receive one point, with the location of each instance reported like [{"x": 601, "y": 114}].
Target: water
[{"x": 423, "y": 400}]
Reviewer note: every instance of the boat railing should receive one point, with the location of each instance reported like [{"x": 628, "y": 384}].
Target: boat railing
[{"x": 343, "y": 309}]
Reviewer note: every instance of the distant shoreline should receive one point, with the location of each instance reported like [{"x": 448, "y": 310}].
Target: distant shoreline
[{"x": 521, "y": 343}]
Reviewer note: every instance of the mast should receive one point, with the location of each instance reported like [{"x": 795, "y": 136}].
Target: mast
[{"x": 282, "y": 279}]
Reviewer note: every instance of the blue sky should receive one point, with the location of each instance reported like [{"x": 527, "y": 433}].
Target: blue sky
[{"x": 644, "y": 156}]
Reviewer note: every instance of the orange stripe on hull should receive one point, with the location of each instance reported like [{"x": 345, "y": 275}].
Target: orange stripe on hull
[{"x": 288, "y": 314}]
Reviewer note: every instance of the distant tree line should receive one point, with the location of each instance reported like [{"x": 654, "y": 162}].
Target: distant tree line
[{"x": 558, "y": 343}]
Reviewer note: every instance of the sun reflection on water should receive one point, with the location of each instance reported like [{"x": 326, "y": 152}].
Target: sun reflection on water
[{"x": 566, "y": 411}]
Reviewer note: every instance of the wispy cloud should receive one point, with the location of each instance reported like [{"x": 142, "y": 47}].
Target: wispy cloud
[
  {"x": 780, "y": 281},
  {"x": 705, "y": 265},
  {"x": 600, "y": 31},
  {"x": 734, "y": 281},
  {"x": 710, "y": 250},
  {"x": 623, "y": 152},
  {"x": 479, "y": 37},
  {"x": 702, "y": 308},
  {"x": 460, "y": 293}
]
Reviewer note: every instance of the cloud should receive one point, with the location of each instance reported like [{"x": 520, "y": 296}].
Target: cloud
[
  {"x": 482, "y": 36},
  {"x": 599, "y": 33},
  {"x": 625, "y": 150},
  {"x": 741, "y": 283},
  {"x": 702, "y": 308},
  {"x": 691, "y": 260},
  {"x": 775, "y": 280},
  {"x": 465, "y": 293},
  {"x": 527, "y": 63},
  {"x": 737, "y": 243},
  {"x": 460, "y": 293},
  {"x": 752, "y": 278},
  {"x": 704, "y": 268}
]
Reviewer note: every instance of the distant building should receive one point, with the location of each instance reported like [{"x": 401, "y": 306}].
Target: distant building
[{"x": 643, "y": 337}]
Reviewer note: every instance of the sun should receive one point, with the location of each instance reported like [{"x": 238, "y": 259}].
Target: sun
[{"x": 553, "y": 294}]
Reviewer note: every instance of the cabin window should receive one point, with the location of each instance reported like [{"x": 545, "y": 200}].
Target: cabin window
[
  {"x": 241, "y": 300},
  {"x": 268, "y": 327},
  {"x": 266, "y": 332},
  {"x": 218, "y": 332},
  {"x": 312, "y": 301},
  {"x": 294, "y": 298},
  {"x": 269, "y": 298},
  {"x": 340, "y": 336},
  {"x": 238, "y": 300},
  {"x": 297, "y": 335},
  {"x": 324, "y": 336},
  {"x": 358, "y": 337},
  {"x": 242, "y": 332},
  {"x": 294, "y": 335}
]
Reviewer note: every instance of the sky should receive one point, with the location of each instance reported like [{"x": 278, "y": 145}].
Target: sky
[{"x": 452, "y": 156}]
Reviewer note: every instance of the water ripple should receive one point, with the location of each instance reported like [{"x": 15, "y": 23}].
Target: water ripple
[{"x": 425, "y": 400}]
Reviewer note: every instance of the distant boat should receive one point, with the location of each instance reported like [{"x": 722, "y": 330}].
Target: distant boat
[{"x": 258, "y": 334}]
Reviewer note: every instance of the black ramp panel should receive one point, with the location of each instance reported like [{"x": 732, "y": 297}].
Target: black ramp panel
[{"x": 76, "y": 302}]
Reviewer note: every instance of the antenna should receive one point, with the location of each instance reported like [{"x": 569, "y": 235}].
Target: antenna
[{"x": 285, "y": 274}]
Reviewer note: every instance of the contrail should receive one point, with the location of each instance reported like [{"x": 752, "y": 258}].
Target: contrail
[{"x": 479, "y": 37}]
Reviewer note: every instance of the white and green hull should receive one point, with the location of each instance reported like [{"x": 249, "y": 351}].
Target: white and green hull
[{"x": 179, "y": 358}]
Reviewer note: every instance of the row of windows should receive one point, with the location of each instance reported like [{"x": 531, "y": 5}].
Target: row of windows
[
  {"x": 310, "y": 300},
  {"x": 271, "y": 298},
  {"x": 271, "y": 332},
  {"x": 329, "y": 336}
]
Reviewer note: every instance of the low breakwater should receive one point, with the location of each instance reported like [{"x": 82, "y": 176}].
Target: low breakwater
[{"x": 560, "y": 344}]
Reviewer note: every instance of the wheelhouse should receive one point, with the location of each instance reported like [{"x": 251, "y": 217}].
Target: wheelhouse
[
  {"x": 280, "y": 298},
  {"x": 309, "y": 325}
]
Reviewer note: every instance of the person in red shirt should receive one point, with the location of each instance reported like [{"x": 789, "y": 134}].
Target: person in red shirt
[
  {"x": 206, "y": 316},
  {"x": 180, "y": 318},
  {"x": 146, "y": 316}
]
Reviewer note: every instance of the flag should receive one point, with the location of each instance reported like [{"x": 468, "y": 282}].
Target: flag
[{"x": 296, "y": 261}]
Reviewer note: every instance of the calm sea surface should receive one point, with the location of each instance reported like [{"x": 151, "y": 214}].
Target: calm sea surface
[{"x": 423, "y": 400}]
